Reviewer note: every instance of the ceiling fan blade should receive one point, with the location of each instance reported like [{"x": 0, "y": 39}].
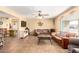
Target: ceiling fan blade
[{"x": 40, "y": 14}]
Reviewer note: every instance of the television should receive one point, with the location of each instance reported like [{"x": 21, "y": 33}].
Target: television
[{"x": 23, "y": 23}]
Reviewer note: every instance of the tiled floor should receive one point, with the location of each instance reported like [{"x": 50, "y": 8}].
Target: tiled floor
[{"x": 29, "y": 45}]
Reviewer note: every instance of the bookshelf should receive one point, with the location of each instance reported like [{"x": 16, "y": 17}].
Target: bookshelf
[{"x": 1, "y": 37}]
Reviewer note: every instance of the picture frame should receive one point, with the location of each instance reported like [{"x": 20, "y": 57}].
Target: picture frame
[{"x": 23, "y": 23}]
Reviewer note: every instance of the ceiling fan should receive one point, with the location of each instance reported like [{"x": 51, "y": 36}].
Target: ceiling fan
[{"x": 41, "y": 14}]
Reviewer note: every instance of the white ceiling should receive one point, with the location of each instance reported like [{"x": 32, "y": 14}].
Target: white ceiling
[
  {"x": 3, "y": 14},
  {"x": 52, "y": 11}
]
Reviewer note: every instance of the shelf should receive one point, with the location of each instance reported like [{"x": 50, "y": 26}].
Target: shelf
[{"x": 1, "y": 36}]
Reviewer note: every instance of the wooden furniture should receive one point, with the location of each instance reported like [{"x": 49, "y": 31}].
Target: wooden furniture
[
  {"x": 1, "y": 37},
  {"x": 6, "y": 33},
  {"x": 12, "y": 33},
  {"x": 44, "y": 37}
]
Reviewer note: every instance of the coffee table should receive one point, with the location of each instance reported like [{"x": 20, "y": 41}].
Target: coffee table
[{"x": 44, "y": 37}]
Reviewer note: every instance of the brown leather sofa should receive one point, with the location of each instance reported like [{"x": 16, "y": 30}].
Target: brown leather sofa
[
  {"x": 63, "y": 38},
  {"x": 62, "y": 41},
  {"x": 42, "y": 31}
]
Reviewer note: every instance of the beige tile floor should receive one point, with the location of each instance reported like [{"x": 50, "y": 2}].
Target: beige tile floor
[{"x": 29, "y": 45}]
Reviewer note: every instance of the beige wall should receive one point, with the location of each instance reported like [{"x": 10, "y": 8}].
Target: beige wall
[
  {"x": 33, "y": 24},
  {"x": 57, "y": 24}
]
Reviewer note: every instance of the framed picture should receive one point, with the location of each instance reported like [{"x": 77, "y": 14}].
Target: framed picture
[
  {"x": 23, "y": 23},
  {"x": 40, "y": 24}
]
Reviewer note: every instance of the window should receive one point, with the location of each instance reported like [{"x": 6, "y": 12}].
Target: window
[{"x": 70, "y": 26}]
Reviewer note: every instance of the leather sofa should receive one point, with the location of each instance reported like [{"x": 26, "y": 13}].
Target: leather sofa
[
  {"x": 62, "y": 38},
  {"x": 42, "y": 31},
  {"x": 62, "y": 41}
]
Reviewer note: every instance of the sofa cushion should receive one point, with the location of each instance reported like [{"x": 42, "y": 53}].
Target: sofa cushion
[
  {"x": 61, "y": 39},
  {"x": 61, "y": 34},
  {"x": 70, "y": 34},
  {"x": 65, "y": 34}
]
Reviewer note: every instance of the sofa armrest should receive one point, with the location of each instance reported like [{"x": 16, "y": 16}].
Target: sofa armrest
[
  {"x": 65, "y": 42},
  {"x": 74, "y": 41}
]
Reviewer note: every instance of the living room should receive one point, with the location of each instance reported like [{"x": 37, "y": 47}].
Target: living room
[{"x": 39, "y": 29}]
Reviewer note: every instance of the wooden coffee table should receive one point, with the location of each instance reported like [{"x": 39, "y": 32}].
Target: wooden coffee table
[{"x": 44, "y": 37}]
